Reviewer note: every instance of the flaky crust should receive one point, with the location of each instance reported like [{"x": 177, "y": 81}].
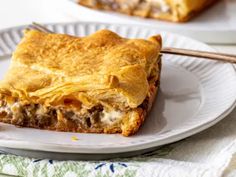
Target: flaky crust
[
  {"x": 180, "y": 10},
  {"x": 100, "y": 68}
]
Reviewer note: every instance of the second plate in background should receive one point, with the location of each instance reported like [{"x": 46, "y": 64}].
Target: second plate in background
[{"x": 216, "y": 25}]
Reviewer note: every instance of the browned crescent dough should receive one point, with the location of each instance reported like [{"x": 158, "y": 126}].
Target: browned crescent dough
[{"x": 66, "y": 83}]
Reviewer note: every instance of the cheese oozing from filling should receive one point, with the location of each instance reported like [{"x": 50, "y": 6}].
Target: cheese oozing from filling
[
  {"x": 111, "y": 117},
  {"x": 164, "y": 7}
]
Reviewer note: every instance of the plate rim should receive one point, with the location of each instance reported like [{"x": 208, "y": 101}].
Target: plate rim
[{"x": 102, "y": 150}]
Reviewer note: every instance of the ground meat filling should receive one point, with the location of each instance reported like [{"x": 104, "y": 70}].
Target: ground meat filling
[
  {"x": 35, "y": 115},
  {"x": 91, "y": 119}
]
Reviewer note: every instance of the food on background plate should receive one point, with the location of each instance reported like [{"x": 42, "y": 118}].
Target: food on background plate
[
  {"x": 169, "y": 10},
  {"x": 101, "y": 83}
]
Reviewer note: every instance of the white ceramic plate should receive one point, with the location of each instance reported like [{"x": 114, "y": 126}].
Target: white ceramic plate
[
  {"x": 194, "y": 95},
  {"x": 215, "y": 25}
]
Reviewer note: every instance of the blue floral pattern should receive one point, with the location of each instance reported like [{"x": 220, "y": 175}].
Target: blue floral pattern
[{"x": 111, "y": 166}]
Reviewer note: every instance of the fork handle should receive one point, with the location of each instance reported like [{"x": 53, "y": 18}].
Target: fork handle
[{"x": 200, "y": 54}]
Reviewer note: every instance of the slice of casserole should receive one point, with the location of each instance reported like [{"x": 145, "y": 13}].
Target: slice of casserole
[
  {"x": 101, "y": 83},
  {"x": 170, "y": 10}
]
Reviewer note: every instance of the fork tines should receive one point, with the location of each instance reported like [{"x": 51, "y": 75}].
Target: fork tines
[{"x": 39, "y": 27}]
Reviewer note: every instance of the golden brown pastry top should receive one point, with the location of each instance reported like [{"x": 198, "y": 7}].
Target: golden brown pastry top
[{"x": 100, "y": 68}]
